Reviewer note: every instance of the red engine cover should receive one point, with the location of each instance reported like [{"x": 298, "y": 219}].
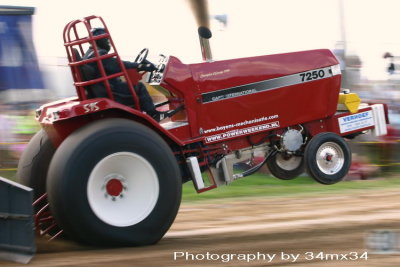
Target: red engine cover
[{"x": 272, "y": 91}]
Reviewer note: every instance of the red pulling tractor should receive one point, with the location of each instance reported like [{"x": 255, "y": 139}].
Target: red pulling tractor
[{"x": 113, "y": 175}]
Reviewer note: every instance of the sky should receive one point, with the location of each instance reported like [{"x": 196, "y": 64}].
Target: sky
[{"x": 255, "y": 27}]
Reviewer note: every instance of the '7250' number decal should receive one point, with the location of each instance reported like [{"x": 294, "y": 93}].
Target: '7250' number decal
[{"x": 312, "y": 75}]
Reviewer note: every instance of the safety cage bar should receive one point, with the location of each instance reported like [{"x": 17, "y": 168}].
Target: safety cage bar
[{"x": 74, "y": 47}]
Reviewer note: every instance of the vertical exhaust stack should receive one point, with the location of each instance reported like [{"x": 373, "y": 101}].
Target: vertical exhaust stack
[{"x": 205, "y": 35}]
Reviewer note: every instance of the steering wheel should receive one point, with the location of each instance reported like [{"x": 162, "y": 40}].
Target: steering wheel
[{"x": 142, "y": 56}]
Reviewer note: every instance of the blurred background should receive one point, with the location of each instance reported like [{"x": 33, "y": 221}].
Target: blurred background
[{"x": 362, "y": 34}]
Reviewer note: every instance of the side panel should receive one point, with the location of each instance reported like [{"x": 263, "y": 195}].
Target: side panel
[
  {"x": 270, "y": 91},
  {"x": 217, "y": 75},
  {"x": 281, "y": 108},
  {"x": 264, "y": 93}
]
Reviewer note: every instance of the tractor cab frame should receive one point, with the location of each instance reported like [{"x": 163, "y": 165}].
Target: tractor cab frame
[{"x": 85, "y": 83}]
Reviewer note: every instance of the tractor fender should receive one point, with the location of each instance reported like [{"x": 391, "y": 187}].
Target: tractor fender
[{"x": 63, "y": 118}]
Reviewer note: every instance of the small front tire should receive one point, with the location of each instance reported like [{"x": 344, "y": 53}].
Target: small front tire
[
  {"x": 327, "y": 158},
  {"x": 285, "y": 166}
]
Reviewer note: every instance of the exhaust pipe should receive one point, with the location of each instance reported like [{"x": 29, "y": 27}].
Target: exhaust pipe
[{"x": 205, "y": 35}]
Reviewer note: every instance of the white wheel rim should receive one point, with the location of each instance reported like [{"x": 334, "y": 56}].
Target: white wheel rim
[
  {"x": 288, "y": 164},
  {"x": 123, "y": 189},
  {"x": 330, "y": 158}
]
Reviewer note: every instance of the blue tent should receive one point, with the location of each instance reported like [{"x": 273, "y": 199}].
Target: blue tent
[{"x": 18, "y": 61}]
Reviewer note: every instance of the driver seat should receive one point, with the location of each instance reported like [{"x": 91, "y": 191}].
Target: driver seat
[
  {"x": 98, "y": 90},
  {"x": 88, "y": 73}
]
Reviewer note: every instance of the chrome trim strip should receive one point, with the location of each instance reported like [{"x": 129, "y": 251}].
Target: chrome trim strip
[{"x": 293, "y": 79}]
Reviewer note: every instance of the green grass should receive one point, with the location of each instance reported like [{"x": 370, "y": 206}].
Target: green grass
[
  {"x": 9, "y": 174},
  {"x": 265, "y": 185}
]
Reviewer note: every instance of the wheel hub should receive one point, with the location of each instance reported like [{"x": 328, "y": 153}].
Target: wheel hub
[
  {"x": 330, "y": 158},
  {"x": 114, "y": 186},
  {"x": 123, "y": 189},
  {"x": 288, "y": 162}
]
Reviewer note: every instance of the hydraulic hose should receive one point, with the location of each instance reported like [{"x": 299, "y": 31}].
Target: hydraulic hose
[{"x": 257, "y": 167}]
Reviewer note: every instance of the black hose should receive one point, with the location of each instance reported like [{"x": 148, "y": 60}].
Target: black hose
[
  {"x": 258, "y": 166},
  {"x": 261, "y": 141}
]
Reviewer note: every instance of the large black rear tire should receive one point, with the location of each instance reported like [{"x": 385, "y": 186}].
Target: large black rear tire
[
  {"x": 32, "y": 171},
  {"x": 34, "y": 163},
  {"x": 114, "y": 182}
]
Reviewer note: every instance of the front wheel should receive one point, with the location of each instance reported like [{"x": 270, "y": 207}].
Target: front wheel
[
  {"x": 114, "y": 182},
  {"x": 327, "y": 158},
  {"x": 285, "y": 166}
]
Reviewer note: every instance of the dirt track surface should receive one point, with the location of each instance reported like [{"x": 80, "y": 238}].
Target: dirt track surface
[{"x": 249, "y": 231}]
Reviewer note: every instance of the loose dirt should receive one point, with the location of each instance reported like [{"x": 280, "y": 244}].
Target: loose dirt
[{"x": 323, "y": 230}]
